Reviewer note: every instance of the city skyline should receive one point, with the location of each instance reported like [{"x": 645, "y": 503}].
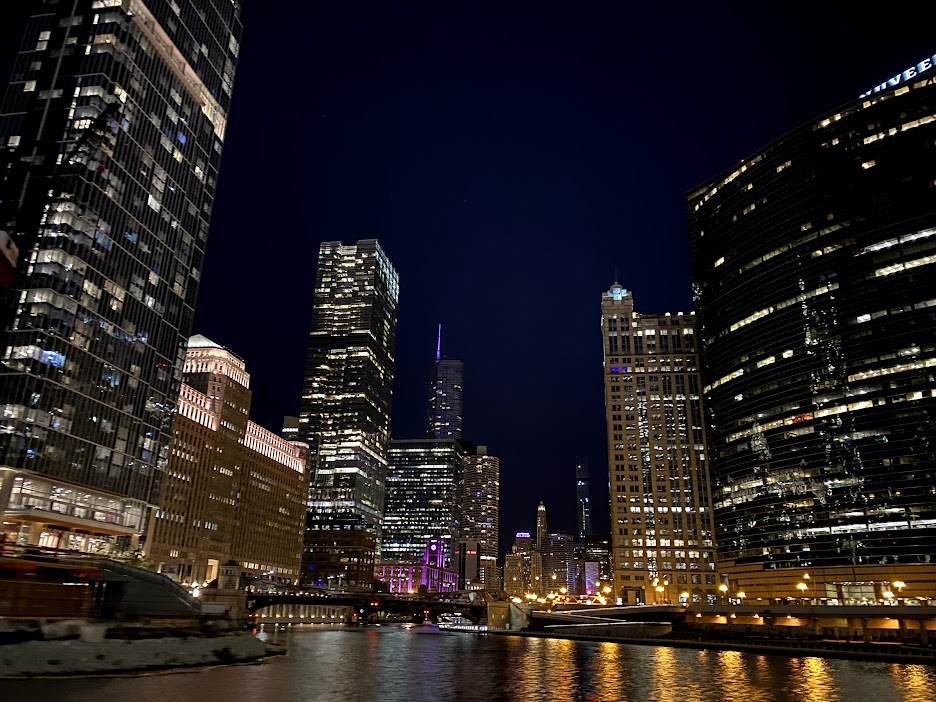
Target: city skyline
[
  {"x": 485, "y": 172},
  {"x": 746, "y": 104}
]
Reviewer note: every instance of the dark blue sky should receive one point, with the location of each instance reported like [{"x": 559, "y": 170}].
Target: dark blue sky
[{"x": 509, "y": 157}]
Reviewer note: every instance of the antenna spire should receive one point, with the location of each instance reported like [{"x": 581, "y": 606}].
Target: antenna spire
[{"x": 439, "y": 345}]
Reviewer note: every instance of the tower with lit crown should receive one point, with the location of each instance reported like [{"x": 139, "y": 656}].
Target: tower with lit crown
[
  {"x": 661, "y": 517},
  {"x": 541, "y": 530}
]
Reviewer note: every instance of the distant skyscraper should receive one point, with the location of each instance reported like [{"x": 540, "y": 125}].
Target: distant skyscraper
[
  {"x": 445, "y": 396},
  {"x": 583, "y": 500},
  {"x": 112, "y": 131},
  {"x": 817, "y": 310},
  {"x": 290, "y": 428},
  {"x": 421, "y": 498},
  {"x": 541, "y": 529},
  {"x": 661, "y": 515},
  {"x": 345, "y": 409},
  {"x": 523, "y": 568},
  {"x": 479, "y": 498},
  {"x": 593, "y": 565},
  {"x": 558, "y": 562}
]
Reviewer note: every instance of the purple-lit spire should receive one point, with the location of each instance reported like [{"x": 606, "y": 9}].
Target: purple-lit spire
[{"x": 439, "y": 345}]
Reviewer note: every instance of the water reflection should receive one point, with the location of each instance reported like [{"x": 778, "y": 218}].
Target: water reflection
[{"x": 390, "y": 663}]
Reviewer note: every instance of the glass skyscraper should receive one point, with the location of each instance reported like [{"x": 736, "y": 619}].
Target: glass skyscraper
[
  {"x": 422, "y": 498},
  {"x": 661, "y": 517},
  {"x": 446, "y": 396},
  {"x": 813, "y": 264},
  {"x": 111, "y": 134},
  {"x": 345, "y": 409}
]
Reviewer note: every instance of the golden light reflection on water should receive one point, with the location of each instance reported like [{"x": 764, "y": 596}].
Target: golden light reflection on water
[
  {"x": 608, "y": 671},
  {"x": 916, "y": 683},
  {"x": 665, "y": 667},
  {"x": 736, "y": 676},
  {"x": 813, "y": 680}
]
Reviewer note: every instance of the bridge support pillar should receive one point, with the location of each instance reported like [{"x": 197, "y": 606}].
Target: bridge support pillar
[{"x": 229, "y": 592}]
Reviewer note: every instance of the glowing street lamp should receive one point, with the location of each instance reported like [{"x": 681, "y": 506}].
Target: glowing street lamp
[
  {"x": 741, "y": 595},
  {"x": 900, "y": 585},
  {"x": 723, "y": 589},
  {"x": 606, "y": 590},
  {"x": 802, "y": 587},
  {"x": 888, "y": 595}
]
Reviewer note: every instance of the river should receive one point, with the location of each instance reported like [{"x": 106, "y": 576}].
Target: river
[{"x": 416, "y": 664}]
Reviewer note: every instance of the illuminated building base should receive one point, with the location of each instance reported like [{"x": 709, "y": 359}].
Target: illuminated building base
[{"x": 860, "y": 584}]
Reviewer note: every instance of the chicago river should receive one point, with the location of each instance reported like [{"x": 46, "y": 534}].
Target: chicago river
[{"x": 421, "y": 663}]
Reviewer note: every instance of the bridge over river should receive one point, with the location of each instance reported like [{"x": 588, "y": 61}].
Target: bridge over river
[{"x": 331, "y": 606}]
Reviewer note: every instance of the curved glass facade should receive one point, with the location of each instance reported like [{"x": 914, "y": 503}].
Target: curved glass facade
[{"x": 813, "y": 266}]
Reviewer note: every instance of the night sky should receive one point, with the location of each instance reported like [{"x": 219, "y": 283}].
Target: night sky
[{"x": 511, "y": 158}]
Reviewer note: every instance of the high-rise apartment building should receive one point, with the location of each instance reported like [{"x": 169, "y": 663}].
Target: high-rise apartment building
[
  {"x": 422, "y": 498},
  {"x": 232, "y": 490},
  {"x": 583, "y": 499},
  {"x": 813, "y": 264},
  {"x": 479, "y": 498},
  {"x": 111, "y": 131},
  {"x": 446, "y": 396},
  {"x": 661, "y": 519},
  {"x": 345, "y": 409}
]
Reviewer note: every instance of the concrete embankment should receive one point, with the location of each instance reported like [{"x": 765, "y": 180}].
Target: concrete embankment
[
  {"x": 821, "y": 649},
  {"x": 113, "y": 656}
]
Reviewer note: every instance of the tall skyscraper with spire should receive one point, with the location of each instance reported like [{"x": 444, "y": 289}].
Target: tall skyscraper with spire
[
  {"x": 345, "y": 410},
  {"x": 112, "y": 130},
  {"x": 583, "y": 499},
  {"x": 445, "y": 396}
]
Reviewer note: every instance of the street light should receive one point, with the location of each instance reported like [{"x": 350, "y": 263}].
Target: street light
[
  {"x": 802, "y": 587},
  {"x": 741, "y": 595},
  {"x": 900, "y": 585},
  {"x": 723, "y": 589},
  {"x": 888, "y": 595}
]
